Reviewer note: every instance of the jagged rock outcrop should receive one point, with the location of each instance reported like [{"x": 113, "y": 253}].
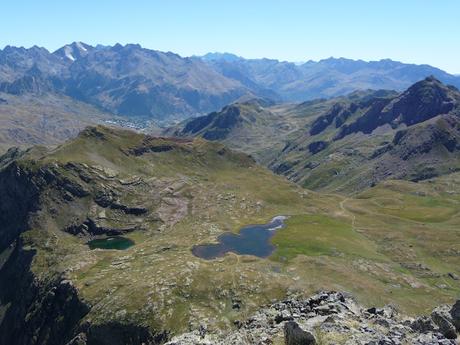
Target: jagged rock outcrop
[
  {"x": 442, "y": 318},
  {"x": 455, "y": 313},
  {"x": 418, "y": 152},
  {"x": 330, "y": 317},
  {"x": 317, "y": 146},
  {"x": 20, "y": 192}
]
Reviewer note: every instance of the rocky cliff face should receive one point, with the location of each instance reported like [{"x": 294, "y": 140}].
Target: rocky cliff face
[
  {"x": 36, "y": 312},
  {"x": 420, "y": 152},
  {"x": 214, "y": 126},
  {"x": 20, "y": 197},
  {"x": 31, "y": 311}
]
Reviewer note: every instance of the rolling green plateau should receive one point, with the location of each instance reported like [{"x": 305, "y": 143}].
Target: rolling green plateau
[{"x": 397, "y": 242}]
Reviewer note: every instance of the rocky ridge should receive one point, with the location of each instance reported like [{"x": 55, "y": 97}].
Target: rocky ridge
[
  {"x": 333, "y": 318},
  {"x": 413, "y": 136}
]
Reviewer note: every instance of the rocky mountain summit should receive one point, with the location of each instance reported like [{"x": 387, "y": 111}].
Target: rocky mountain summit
[
  {"x": 421, "y": 102},
  {"x": 333, "y": 318}
]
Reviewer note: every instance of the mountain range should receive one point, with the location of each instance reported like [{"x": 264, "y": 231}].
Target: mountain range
[
  {"x": 135, "y": 82},
  {"x": 346, "y": 143},
  {"x": 325, "y": 78}
]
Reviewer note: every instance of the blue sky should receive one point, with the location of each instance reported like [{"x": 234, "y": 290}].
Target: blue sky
[{"x": 417, "y": 31}]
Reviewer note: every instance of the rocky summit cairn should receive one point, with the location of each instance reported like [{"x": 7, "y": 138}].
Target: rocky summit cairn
[{"x": 333, "y": 318}]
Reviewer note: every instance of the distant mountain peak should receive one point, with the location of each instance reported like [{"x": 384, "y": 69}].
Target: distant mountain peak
[
  {"x": 229, "y": 57},
  {"x": 73, "y": 51}
]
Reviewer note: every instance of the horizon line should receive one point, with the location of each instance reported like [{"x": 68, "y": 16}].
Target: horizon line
[{"x": 298, "y": 62}]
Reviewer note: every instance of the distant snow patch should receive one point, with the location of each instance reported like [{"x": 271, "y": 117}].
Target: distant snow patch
[
  {"x": 81, "y": 46},
  {"x": 68, "y": 53}
]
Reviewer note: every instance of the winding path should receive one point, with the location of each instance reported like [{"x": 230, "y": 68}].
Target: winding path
[{"x": 350, "y": 214}]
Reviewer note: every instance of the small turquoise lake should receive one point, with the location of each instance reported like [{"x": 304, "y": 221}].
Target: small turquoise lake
[{"x": 112, "y": 242}]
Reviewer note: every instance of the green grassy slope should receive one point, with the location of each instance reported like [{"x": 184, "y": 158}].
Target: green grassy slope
[
  {"x": 46, "y": 119},
  {"x": 193, "y": 191}
]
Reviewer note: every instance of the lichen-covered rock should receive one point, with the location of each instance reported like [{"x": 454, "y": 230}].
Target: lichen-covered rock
[{"x": 294, "y": 335}]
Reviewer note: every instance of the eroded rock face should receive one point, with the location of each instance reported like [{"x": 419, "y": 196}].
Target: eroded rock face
[
  {"x": 50, "y": 311},
  {"x": 34, "y": 313},
  {"x": 338, "y": 114},
  {"x": 317, "y": 146},
  {"x": 329, "y": 317},
  {"x": 455, "y": 313}
]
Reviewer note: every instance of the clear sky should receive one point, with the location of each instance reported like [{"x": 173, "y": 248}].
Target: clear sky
[{"x": 417, "y": 31}]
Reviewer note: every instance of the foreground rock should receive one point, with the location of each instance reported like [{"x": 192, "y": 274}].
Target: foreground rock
[
  {"x": 294, "y": 335},
  {"x": 332, "y": 318}
]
